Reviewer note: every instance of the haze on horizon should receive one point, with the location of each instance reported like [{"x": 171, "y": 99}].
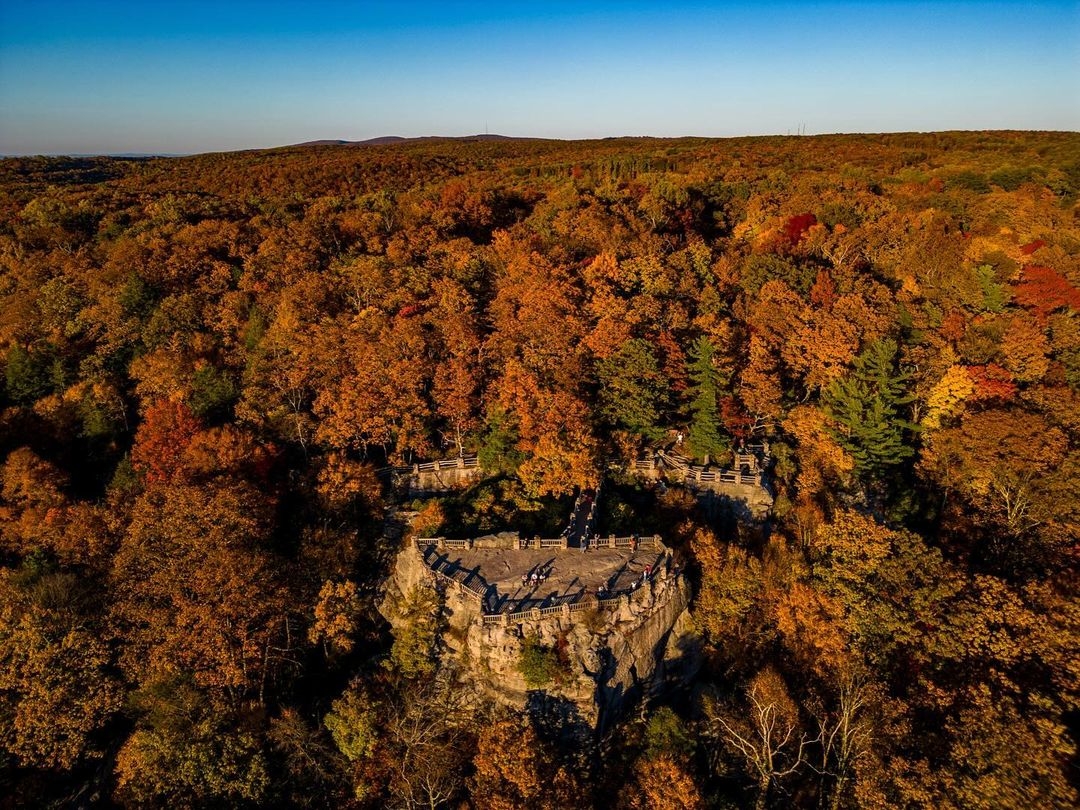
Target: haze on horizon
[{"x": 183, "y": 77}]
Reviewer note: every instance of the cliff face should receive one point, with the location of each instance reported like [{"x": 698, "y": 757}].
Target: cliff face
[{"x": 610, "y": 655}]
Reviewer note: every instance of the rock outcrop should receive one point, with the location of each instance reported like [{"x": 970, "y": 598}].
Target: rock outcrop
[{"x": 609, "y": 654}]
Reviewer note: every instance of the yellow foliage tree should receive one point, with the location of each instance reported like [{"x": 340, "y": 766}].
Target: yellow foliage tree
[
  {"x": 1024, "y": 350},
  {"x": 514, "y": 769},
  {"x": 759, "y": 381},
  {"x": 947, "y": 396},
  {"x": 821, "y": 459},
  {"x": 811, "y": 626},
  {"x": 335, "y": 616},
  {"x": 660, "y": 783},
  {"x": 55, "y": 690}
]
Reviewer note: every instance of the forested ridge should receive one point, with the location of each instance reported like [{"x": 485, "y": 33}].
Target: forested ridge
[{"x": 207, "y": 360}]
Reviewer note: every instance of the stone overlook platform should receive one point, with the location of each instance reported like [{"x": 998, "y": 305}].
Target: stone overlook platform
[
  {"x": 620, "y": 633},
  {"x": 491, "y": 570}
]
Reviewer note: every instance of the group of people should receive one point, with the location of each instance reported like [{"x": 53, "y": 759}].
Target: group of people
[
  {"x": 584, "y": 510},
  {"x": 602, "y": 591},
  {"x": 535, "y": 577},
  {"x": 645, "y": 575}
]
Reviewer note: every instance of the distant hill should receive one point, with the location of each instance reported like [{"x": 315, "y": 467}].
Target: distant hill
[
  {"x": 90, "y": 155},
  {"x": 388, "y": 139}
]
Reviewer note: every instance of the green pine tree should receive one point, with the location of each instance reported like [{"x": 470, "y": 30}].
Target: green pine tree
[
  {"x": 706, "y": 435},
  {"x": 498, "y": 445},
  {"x": 867, "y": 407},
  {"x": 633, "y": 391}
]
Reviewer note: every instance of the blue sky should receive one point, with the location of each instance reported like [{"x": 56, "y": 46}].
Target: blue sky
[{"x": 163, "y": 76}]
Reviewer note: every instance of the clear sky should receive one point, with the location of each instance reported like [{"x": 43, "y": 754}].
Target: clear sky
[{"x": 177, "y": 77}]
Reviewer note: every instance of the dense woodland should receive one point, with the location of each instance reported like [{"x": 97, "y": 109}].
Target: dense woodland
[{"x": 206, "y": 361}]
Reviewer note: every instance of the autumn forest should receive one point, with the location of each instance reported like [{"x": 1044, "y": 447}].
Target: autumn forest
[{"x": 209, "y": 362}]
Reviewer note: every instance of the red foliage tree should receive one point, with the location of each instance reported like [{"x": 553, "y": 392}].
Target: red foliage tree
[
  {"x": 673, "y": 361},
  {"x": 992, "y": 382},
  {"x": 736, "y": 420},
  {"x": 796, "y": 226},
  {"x": 161, "y": 440},
  {"x": 1044, "y": 290},
  {"x": 823, "y": 293},
  {"x": 953, "y": 326}
]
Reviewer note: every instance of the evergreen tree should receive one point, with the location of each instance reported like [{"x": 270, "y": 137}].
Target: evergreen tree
[
  {"x": 499, "y": 443},
  {"x": 632, "y": 390},
  {"x": 705, "y": 433},
  {"x": 867, "y": 406},
  {"x": 26, "y": 375}
]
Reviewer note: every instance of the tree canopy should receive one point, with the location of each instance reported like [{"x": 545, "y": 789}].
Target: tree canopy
[{"x": 210, "y": 363}]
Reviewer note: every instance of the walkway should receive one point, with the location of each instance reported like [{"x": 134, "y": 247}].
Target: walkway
[{"x": 582, "y": 518}]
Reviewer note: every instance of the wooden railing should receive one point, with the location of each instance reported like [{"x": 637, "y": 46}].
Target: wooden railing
[
  {"x": 611, "y": 541},
  {"x": 443, "y": 542},
  {"x": 703, "y": 475},
  {"x": 460, "y": 463},
  {"x": 673, "y": 460},
  {"x": 565, "y": 609},
  {"x": 745, "y": 460},
  {"x": 760, "y": 449},
  {"x": 460, "y": 578}
]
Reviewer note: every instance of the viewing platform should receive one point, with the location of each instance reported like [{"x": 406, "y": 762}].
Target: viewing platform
[
  {"x": 498, "y": 572},
  {"x": 745, "y": 481},
  {"x": 443, "y": 475}
]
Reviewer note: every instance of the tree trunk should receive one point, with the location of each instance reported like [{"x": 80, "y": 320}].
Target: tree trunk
[
  {"x": 763, "y": 793},
  {"x": 837, "y": 793}
]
